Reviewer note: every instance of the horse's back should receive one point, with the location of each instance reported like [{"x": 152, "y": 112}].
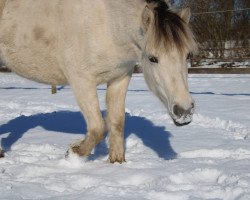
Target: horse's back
[
  {"x": 47, "y": 40},
  {"x": 28, "y": 39}
]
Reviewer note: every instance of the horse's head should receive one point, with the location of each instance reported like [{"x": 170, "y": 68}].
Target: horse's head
[{"x": 168, "y": 40}]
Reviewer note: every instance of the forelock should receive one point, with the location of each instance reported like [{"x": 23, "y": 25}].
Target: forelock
[{"x": 169, "y": 28}]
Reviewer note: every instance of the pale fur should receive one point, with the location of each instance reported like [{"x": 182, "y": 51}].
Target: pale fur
[{"x": 85, "y": 43}]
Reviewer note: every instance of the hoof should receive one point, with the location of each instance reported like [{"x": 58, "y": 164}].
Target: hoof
[
  {"x": 79, "y": 148},
  {"x": 116, "y": 155},
  {"x": 69, "y": 153},
  {"x": 1, "y": 153},
  {"x": 73, "y": 149},
  {"x": 116, "y": 160}
]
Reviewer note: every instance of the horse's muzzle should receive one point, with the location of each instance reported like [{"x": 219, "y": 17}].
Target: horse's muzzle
[{"x": 181, "y": 116}]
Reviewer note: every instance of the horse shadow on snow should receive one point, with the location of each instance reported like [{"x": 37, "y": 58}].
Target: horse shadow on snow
[{"x": 154, "y": 137}]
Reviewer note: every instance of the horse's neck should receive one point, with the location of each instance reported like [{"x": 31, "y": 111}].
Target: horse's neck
[{"x": 126, "y": 20}]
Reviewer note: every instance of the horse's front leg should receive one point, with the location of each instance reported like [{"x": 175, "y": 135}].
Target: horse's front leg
[
  {"x": 87, "y": 98},
  {"x": 116, "y": 94}
]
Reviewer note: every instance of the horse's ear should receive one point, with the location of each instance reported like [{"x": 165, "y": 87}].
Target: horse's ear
[
  {"x": 185, "y": 14},
  {"x": 147, "y": 17}
]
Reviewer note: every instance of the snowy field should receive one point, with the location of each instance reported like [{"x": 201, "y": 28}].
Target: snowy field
[{"x": 209, "y": 159}]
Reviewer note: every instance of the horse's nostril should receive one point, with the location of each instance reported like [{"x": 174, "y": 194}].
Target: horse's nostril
[{"x": 178, "y": 111}]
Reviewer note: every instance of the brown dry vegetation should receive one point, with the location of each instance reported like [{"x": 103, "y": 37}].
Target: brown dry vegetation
[{"x": 216, "y": 32}]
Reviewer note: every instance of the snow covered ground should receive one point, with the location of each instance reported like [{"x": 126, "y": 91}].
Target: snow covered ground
[
  {"x": 209, "y": 159},
  {"x": 210, "y": 63}
]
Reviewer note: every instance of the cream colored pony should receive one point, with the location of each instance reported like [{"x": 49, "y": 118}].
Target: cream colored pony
[{"x": 86, "y": 43}]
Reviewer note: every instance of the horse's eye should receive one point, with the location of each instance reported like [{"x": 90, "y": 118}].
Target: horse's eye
[{"x": 153, "y": 59}]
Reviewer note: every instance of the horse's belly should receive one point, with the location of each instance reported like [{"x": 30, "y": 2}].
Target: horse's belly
[
  {"x": 41, "y": 73},
  {"x": 39, "y": 68},
  {"x": 28, "y": 48}
]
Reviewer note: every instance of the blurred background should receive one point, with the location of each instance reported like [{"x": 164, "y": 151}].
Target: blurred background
[{"x": 222, "y": 30}]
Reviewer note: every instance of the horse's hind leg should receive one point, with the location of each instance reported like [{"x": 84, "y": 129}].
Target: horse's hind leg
[
  {"x": 116, "y": 94},
  {"x": 87, "y": 99}
]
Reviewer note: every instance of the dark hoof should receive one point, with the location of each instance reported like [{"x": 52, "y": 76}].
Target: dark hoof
[{"x": 1, "y": 153}]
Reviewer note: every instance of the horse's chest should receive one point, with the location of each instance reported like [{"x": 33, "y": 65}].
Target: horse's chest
[{"x": 109, "y": 73}]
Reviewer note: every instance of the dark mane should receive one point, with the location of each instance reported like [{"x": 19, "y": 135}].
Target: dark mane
[{"x": 170, "y": 28}]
